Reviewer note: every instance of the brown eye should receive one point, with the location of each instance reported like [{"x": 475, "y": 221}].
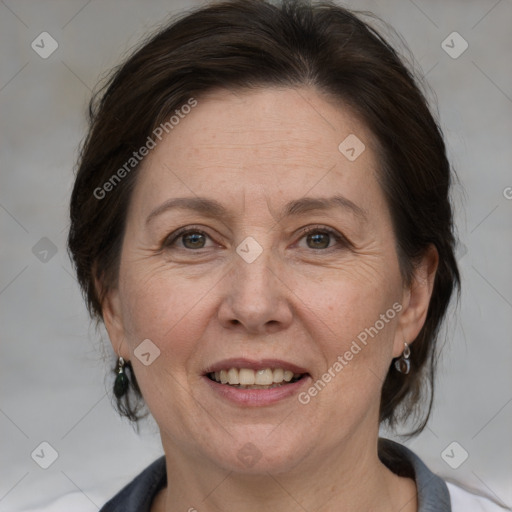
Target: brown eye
[
  {"x": 322, "y": 238},
  {"x": 187, "y": 239},
  {"x": 318, "y": 240},
  {"x": 193, "y": 240}
]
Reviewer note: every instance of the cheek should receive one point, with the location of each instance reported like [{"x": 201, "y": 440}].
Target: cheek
[
  {"x": 344, "y": 306},
  {"x": 353, "y": 326},
  {"x": 169, "y": 311}
]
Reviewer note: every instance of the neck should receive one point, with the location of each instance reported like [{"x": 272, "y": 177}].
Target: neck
[{"x": 346, "y": 479}]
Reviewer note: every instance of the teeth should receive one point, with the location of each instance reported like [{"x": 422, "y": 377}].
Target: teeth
[
  {"x": 264, "y": 377},
  {"x": 245, "y": 377},
  {"x": 233, "y": 376},
  {"x": 278, "y": 375},
  {"x": 288, "y": 375}
]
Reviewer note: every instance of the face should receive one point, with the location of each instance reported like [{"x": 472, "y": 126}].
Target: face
[{"x": 255, "y": 245}]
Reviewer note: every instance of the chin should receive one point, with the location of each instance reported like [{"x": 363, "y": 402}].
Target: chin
[{"x": 256, "y": 451}]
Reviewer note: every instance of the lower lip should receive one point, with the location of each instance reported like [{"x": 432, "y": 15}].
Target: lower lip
[{"x": 256, "y": 397}]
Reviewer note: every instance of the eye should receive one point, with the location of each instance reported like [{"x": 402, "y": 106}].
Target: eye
[
  {"x": 190, "y": 238},
  {"x": 322, "y": 237},
  {"x": 317, "y": 238}
]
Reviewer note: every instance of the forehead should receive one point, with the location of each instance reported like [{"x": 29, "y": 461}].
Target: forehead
[{"x": 278, "y": 143}]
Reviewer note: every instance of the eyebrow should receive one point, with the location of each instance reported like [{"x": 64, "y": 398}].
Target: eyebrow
[{"x": 297, "y": 207}]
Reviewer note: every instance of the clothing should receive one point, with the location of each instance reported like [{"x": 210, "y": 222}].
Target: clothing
[{"x": 434, "y": 494}]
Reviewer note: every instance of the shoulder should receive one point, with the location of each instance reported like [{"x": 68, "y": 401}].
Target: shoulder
[
  {"x": 463, "y": 500},
  {"x": 435, "y": 494},
  {"x": 138, "y": 495}
]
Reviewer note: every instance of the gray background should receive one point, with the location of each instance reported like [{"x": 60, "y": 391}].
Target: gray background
[{"x": 53, "y": 385}]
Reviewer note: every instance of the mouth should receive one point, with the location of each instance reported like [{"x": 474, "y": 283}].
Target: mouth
[
  {"x": 248, "y": 383},
  {"x": 247, "y": 378}
]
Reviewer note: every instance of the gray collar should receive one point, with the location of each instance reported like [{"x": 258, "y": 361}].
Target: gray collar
[{"x": 433, "y": 494}]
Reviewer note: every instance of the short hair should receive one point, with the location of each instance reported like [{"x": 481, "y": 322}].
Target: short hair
[{"x": 248, "y": 44}]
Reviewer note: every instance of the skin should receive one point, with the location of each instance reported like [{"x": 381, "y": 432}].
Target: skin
[{"x": 302, "y": 300}]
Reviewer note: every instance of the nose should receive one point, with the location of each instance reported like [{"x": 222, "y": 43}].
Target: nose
[{"x": 255, "y": 299}]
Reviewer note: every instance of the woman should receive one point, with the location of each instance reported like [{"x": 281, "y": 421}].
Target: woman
[{"x": 261, "y": 219}]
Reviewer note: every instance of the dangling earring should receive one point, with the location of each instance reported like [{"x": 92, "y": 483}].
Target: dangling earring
[
  {"x": 403, "y": 365},
  {"x": 121, "y": 382}
]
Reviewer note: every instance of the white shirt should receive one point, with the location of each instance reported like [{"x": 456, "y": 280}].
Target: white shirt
[{"x": 465, "y": 501}]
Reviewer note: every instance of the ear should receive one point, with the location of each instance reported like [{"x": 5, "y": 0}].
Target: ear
[
  {"x": 416, "y": 300},
  {"x": 113, "y": 320}
]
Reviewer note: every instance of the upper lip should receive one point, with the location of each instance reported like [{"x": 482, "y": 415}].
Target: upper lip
[{"x": 254, "y": 364}]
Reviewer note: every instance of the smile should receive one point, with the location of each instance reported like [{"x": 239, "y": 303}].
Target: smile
[
  {"x": 255, "y": 382},
  {"x": 246, "y": 378}
]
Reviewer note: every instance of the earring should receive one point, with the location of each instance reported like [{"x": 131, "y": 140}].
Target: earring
[
  {"x": 121, "y": 382},
  {"x": 403, "y": 365}
]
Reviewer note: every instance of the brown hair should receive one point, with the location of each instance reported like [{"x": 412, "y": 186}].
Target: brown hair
[{"x": 253, "y": 43}]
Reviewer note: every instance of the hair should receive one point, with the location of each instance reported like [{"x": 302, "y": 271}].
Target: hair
[{"x": 247, "y": 44}]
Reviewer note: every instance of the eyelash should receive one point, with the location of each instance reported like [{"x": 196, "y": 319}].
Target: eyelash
[{"x": 340, "y": 239}]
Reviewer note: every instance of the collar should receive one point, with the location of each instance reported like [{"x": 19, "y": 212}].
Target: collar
[{"x": 433, "y": 494}]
